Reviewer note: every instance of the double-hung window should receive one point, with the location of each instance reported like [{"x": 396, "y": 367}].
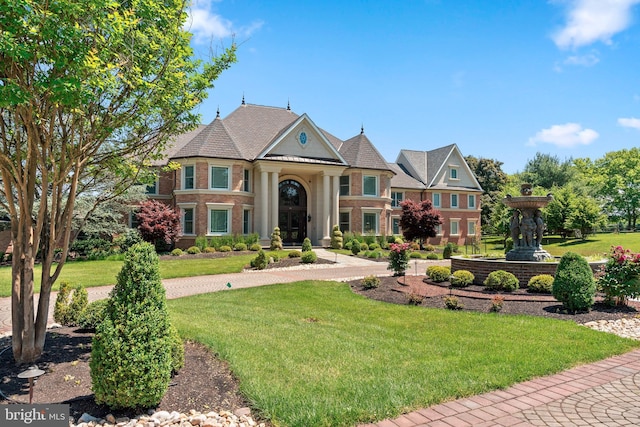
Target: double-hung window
[
  {"x": 436, "y": 200},
  {"x": 219, "y": 178},
  {"x": 189, "y": 177},
  {"x": 344, "y": 185},
  {"x": 454, "y": 200},
  {"x": 471, "y": 201},
  {"x": 370, "y": 185},
  {"x": 187, "y": 221},
  {"x": 396, "y": 198}
]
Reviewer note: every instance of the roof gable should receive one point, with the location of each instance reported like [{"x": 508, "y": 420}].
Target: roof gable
[
  {"x": 359, "y": 152},
  {"x": 302, "y": 139},
  {"x": 214, "y": 141}
]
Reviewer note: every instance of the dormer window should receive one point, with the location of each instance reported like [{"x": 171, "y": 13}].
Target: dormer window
[{"x": 453, "y": 173}]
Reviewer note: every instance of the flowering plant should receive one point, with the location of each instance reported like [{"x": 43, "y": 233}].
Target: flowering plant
[
  {"x": 620, "y": 277},
  {"x": 399, "y": 258}
]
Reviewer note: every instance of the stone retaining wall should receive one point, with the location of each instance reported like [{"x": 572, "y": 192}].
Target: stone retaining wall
[{"x": 523, "y": 270}]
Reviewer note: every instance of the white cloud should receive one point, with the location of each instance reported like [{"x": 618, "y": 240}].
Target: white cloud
[
  {"x": 589, "y": 21},
  {"x": 630, "y": 122},
  {"x": 205, "y": 25},
  {"x": 567, "y": 135},
  {"x": 588, "y": 60}
]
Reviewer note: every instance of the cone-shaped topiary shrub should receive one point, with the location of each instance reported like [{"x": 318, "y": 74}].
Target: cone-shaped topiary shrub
[
  {"x": 131, "y": 358},
  {"x": 336, "y": 238},
  {"x": 574, "y": 285},
  {"x": 306, "y": 245},
  {"x": 276, "y": 240}
]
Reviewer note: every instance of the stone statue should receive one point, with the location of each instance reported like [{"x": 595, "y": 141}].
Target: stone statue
[
  {"x": 528, "y": 228},
  {"x": 539, "y": 227},
  {"x": 514, "y": 226}
]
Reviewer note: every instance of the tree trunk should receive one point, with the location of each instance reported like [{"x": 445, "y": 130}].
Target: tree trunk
[{"x": 27, "y": 339}]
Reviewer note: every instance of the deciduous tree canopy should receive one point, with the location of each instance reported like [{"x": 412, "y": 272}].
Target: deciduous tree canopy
[{"x": 88, "y": 88}]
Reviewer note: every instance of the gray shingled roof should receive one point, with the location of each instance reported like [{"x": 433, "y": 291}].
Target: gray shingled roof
[
  {"x": 214, "y": 141},
  {"x": 177, "y": 143},
  {"x": 427, "y": 163},
  {"x": 403, "y": 180},
  {"x": 359, "y": 152}
]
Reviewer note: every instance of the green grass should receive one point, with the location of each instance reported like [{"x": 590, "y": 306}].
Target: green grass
[
  {"x": 104, "y": 272},
  {"x": 315, "y": 354}
]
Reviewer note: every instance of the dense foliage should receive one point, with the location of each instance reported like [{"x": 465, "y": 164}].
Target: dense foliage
[
  {"x": 91, "y": 91},
  {"x": 620, "y": 278},
  {"x": 399, "y": 258},
  {"x": 336, "y": 238},
  {"x": 131, "y": 355},
  {"x": 574, "y": 285},
  {"x": 159, "y": 224},
  {"x": 501, "y": 280},
  {"x": 419, "y": 221}
]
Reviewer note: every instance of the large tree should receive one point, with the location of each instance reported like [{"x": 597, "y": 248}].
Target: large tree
[
  {"x": 419, "y": 220},
  {"x": 493, "y": 180},
  {"x": 548, "y": 171},
  {"x": 88, "y": 88}
]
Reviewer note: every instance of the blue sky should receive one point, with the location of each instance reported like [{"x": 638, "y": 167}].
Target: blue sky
[{"x": 501, "y": 79}]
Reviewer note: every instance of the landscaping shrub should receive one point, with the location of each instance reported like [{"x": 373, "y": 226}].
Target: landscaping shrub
[
  {"x": 447, "y": 251},
  {"x": 414, "y": 298},
  {"x": 374, "y": 254},
  {"x": 193, "y": 250},
  {"x": 225, "y": 248},
  {"x": 452, "y": 302},
  {"x": 508, "y": 244},
  {"x": 336, "y": 238},
  {"x": 309, "y": 257},
  {"x": 462, "y": 278},
  {"x": 439, "y": 273},
  {"x": 79, "y": 302},
  {"x": 306, "y": 245},
  {"x": 501, "y": 280},
  {"x": 294, "y": 254},
  {"x": 177, "y": 252},
  {"x": 255, "y": 247},
  {"x": 355, "y": 247},
  {"x": 127, "y": 239},
  {"x": 370, "y": 282},
  {"x": 61, "y": 307},
  {"x": 276, "y": 240},
  {"x": 348, "y": 245},
  {"x": 201, "y": 242},
  {"x": 374, "y": 246},
  {"x": 497, "y": 302},
  {"x": 364, "y": 247},
  {"x": 574, "y": 285},
  {"x": 240, "y": 247},
  {"x": 416, "y": 255},
  {"x": 432, "y": 255},
  {"x": 209, "y": 250},
  {"x": 261, "y": 261},
  {"x": 415, "y": 246},
  {"x": 131, "y": 351},
  {"x": 93, "y": 314},
  {"x": 429, "y": 248},
  {"x": 177, "y": 350},
  {"x": 620, "y": 277},
  {"x": 542, "y": 283}
]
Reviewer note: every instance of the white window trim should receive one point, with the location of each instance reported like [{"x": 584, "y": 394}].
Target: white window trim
[
  {"x": 348, "y": 186},
  {"x": 157, "y": 186},
  {"x": 474, "y": 201},
  {"x": 394, "y": 217},
  {"x": 377, "y": 178},
  {"x": 374, "y": 211},
  {"x": 184, "y": 179},
  {"x": 457, "y": 221},
  {"x": 228, "y": 168},
  {"x": 457, "y": 205},
  {"x": 457, "y": 170},
  {"x": 250, "y": 179},
  {"x": 439, "y": 205},
  {"x": 439, "y": 230},
  {"x": 219, "y": 207},
  {"x": 182, "y": 207},
  {"x": 401, "y": 193}
]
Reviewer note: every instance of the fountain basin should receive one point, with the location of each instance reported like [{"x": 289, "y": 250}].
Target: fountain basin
[{"x": 523, "y": 270}]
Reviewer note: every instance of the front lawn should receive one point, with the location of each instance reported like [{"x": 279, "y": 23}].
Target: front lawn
[
  {"x": 104, "y": 272},
  {"x": 315, "y": 354}
]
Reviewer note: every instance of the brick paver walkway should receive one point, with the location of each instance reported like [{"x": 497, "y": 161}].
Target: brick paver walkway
[{"x": 605, "y": 393}]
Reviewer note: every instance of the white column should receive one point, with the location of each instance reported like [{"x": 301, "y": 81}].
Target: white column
[
  {"x": 274, "y": 199},
  {"x": 326, "y": 192},
  {"x": 264, "y": 201},
  {"x": 335, "y": 211}
]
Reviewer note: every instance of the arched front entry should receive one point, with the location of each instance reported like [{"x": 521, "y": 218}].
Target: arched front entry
[{"x": 292, "y": 212}]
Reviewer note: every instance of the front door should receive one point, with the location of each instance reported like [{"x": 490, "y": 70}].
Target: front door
[{"x": 292, "y": 216}]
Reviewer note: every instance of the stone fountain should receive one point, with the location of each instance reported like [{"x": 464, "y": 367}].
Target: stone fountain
[{"x": 527, "y": 225}]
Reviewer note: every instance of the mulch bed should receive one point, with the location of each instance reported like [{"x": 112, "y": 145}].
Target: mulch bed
[{"x": 206, "y": 383}]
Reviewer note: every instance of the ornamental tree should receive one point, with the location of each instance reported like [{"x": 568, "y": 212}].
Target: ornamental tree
[
  {"x": 88, "y": 89},
  {"x": 419, "y": 220},
  {"x": 159, "y": 223}
]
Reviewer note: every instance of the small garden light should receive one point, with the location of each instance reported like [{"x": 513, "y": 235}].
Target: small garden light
[{"x": 31, "y": 374}]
